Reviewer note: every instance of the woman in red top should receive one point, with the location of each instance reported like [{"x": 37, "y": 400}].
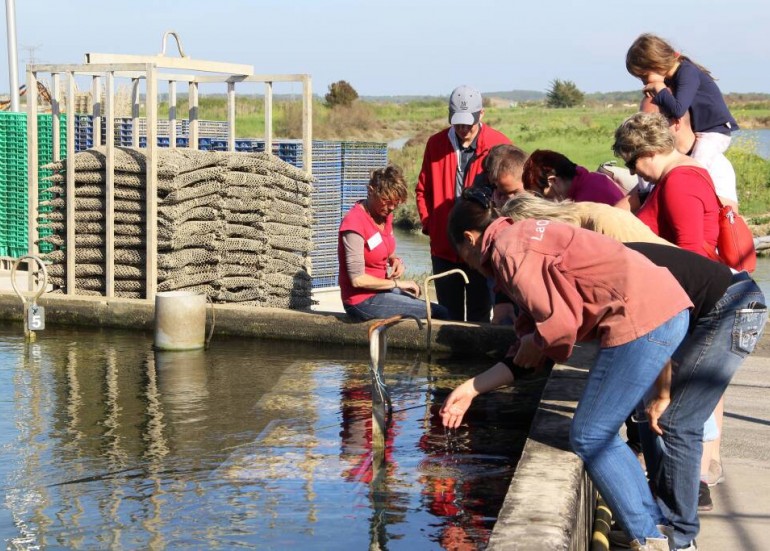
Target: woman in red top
[
  {"x": 683, "y": 207},
  {"x": 370, "y": 271},
  {"x": 553, "y": 176}
]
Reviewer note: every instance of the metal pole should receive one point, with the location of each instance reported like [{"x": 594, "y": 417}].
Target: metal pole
[{"x": 13, "y": 61}]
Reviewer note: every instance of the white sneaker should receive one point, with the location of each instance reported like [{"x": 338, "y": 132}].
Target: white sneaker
[{"x": 716, "y": 474}]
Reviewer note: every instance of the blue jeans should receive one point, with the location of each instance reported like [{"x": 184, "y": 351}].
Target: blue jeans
[
  {"x": 702, "y": 368},
  {"x": 392, "y": 303},
  {"x": 616, "y": 383}
]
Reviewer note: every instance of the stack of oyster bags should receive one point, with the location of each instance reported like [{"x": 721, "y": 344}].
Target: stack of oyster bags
[{"x": 233, "y": 226}]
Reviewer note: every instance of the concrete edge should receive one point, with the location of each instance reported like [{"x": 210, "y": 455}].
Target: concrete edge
[
  {"x": 550, "y": 502},
  {"x": 267, "y": 323}
]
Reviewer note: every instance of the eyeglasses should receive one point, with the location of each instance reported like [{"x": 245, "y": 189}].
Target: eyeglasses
[
  {"x": 389, "y": 204},
  {"x": 631, "y": 163},
  {"x": 478, "y": 195}
]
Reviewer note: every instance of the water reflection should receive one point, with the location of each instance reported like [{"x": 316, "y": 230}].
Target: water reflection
[{"x": 107, "y": 443}]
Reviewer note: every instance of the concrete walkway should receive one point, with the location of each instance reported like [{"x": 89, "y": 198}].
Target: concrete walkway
[{"x": 740, "y": 519}]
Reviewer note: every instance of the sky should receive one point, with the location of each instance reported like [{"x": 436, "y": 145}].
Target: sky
[{"x": 409, "y": 47}]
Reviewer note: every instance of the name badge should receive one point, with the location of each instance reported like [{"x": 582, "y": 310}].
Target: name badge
[{"x": 373, "y": 241}]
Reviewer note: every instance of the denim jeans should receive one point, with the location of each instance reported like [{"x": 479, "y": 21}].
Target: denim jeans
[
  {"x": 616, "y": 383},
  {"x": 702, "y": 368},
  {"x": 474, "y": 299},
  {"x": 392, "y": 303}
]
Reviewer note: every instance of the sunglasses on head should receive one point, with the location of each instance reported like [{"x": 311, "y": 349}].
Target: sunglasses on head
[{"x": 481, "y": 196}]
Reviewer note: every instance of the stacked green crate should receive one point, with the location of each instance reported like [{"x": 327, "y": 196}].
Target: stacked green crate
[
  {"x": 45, "y": 142},
  {"x": 13, "y": 136},
  {"x": 3, "y": 185}
]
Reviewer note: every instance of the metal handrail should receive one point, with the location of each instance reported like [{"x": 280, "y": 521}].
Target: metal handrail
[
  {"x": 427, "y": 298},
  {"x": 178, "y": 43}
]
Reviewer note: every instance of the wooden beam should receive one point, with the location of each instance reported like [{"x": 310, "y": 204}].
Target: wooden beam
[
  {"x": 165, "y": 62},
  {"x": 70, "y": 184},
  {"x": 152, "y": 183},
  {"x": 32, "y": 163},
  {"x": 109, "y": 189}
]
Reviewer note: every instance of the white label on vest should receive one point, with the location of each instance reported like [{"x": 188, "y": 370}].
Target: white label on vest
[{"x": 373, "y": 241}]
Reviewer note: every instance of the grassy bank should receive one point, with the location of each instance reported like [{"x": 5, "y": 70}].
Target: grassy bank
[{"x": 584, "y": 134}]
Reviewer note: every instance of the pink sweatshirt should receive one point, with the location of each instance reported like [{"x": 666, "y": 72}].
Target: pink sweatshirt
[{"x": 578, "y": 285}]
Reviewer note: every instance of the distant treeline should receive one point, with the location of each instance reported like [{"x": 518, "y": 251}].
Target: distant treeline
[{"x": 522, "y": 96}]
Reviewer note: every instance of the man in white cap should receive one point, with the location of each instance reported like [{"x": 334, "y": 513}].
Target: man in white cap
[{"x": 452, "y": 159}]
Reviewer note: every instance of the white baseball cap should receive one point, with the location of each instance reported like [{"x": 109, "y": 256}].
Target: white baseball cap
[{"x": 465, "y": 105}]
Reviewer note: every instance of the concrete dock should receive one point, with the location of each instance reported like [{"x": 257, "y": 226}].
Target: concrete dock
[{"x": 741, "y": 516}]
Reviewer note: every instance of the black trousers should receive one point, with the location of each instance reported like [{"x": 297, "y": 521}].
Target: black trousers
[{"x": 474, "y": 299}]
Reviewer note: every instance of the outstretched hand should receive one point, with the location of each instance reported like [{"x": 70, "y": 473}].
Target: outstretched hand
[{"x": 456, "y": 404}]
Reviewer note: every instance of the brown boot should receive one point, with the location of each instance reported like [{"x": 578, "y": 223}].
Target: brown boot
[
  {"x": 652, "y": 544},
  {"x": 618, "y": 538}
]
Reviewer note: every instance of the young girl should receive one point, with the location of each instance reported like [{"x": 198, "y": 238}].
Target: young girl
[{"x": 659, "y": 66}]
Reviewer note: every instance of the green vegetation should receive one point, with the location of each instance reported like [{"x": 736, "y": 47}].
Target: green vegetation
[
  {"x": 564, "y": 93},
  {"x": 584, "y": 134},
  {"x": 341, "y": 93}
]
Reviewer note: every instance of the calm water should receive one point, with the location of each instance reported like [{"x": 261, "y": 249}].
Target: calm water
[
  {"x": 105, "y": 443},
  {"x": 759, "y": 139}
]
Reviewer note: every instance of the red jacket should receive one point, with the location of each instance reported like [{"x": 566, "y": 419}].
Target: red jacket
[{"x": 435, "y": 191}]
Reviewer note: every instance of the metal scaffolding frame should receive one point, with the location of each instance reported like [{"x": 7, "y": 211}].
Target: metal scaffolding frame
[{"x": 137, "y": 68}]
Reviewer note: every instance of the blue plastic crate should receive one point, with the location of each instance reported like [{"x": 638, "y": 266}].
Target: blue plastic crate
[
  {"x": 324, "y": 281},
  {"x": 218, "y": 144}
]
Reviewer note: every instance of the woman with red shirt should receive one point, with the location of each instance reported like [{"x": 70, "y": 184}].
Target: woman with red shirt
[
  {"x": 370, "y": 271},
  {"x": 683, "y": 207}
]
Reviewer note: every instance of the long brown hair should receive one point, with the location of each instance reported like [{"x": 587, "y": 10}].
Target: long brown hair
[{"x": 650, "y": 52}]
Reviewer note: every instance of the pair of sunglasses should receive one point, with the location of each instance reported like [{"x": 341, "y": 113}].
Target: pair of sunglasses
[{"x": 481, "y": 196}]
